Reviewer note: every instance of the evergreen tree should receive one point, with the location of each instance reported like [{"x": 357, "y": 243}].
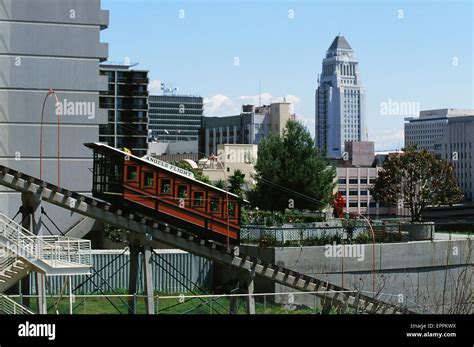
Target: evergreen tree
[
  {"x": 291, "y": 173},
  {"x": 236, "y": 181}
]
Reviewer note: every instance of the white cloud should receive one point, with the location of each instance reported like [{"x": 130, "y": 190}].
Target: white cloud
[
  {"x": 154, "y": 87},
  {"x": 387, "y": 139},
  {"x": 221, "y": 105}
]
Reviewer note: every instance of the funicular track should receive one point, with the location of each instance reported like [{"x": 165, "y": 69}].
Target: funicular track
[{"x": 335, "y": 296}]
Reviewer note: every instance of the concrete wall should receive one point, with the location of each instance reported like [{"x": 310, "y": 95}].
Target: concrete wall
[
  {"x": 50, "y": 44},
  {"x": 420, "y": 271}
]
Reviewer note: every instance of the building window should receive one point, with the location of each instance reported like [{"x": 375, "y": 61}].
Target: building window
[
  {"x": 342, "y": 181},
  {"x": 353, "y": 192},
  {"x": 165, "y": 186},
  {"x": 363, "y": 192},
  {"x": 182, "y": 191},
  {"x": 214, "y": 205},
  {"x": 131, "y": 173},
  {"x": 353, "y": 204},
  {"x": 363, "y": 181},
  {"x": 231, "y": 210},
  {"x": 198, "y": 199},
  {"x": 353, "y": 181},
  {"x": 148, "y": 180}
]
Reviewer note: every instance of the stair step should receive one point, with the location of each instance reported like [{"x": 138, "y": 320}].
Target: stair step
[{"x": 18, "y": 268}]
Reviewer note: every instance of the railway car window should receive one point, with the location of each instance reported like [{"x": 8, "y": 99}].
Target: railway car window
[
  {"x": 231, "y": 210},
  {"x": 148, "y": 179},
  {"x": 131, "y": 173},
  {"x": 214, "y": 205},
  {"x": 182, "y": 191},
  {"x": 165, "y": 186},
  {"x": 198, "y": 199}
]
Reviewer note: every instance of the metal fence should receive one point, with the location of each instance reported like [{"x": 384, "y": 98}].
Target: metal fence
[
  {"x": 174, "y": 271},
  {"x": 313, "y": 234},
  {"x": 255, "y": 234}
]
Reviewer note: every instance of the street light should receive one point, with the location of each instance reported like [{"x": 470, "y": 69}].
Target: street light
[{"x": 373, "y": 248}]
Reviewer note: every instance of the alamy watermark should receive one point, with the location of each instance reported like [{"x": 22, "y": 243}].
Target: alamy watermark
[
  {"x": 236, "y": 156},
  {"x": 399, "y": 108},
  {"x": 345, "y": 251},
  {"x": 37, "y": 330},
  {"x": 76, "y": 108}
]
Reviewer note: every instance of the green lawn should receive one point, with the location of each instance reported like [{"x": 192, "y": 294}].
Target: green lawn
[{"x": 105, "y": 305}]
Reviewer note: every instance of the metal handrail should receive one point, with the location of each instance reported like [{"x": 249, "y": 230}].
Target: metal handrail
[
  {"x": 9, "y": 306},
  {"x": 54, "y": 249},
  {"x": 7, "y": 263}
]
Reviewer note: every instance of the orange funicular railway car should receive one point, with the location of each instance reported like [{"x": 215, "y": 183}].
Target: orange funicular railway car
[{"x": 167, "y": 193}]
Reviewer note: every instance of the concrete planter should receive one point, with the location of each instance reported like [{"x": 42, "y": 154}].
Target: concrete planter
[{"x": 420, "y": 231}]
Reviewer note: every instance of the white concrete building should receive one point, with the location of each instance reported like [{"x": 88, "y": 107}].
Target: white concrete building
[
  {"x": 425, "y": 130},
  {"x": 231, "y": 157},
  {"x": 340, "y": 100},
  {"x": 448, "y": 133},
  {"x": 170, "y": 148},
  {"x": 456, "y": 146}
]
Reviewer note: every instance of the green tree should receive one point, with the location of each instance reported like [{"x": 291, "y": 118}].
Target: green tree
[
  {"x": 197, "y": 173},
  {"x": 291, "y": 173},
  {"x": 417, "y": 179},
  {"x": 220, "y": 184},
  {"x": 236, "y": 181}
]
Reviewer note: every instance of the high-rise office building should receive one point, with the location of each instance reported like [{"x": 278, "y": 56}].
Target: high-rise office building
[
  {"x": 425, "y": 130},
  {"x": 174, "y": 118},
  {"x": 457, "y": 146},
  {"x": 50, "y": 44},
  {"x": 126, "y": 101},
  {"x": 340, "y": 100},
  {"x": 250, "y": 127},
  {"x": 448, "y": 133}
]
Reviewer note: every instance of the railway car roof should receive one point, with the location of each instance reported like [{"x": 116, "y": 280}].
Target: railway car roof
[{"x": 105, "y": 147}]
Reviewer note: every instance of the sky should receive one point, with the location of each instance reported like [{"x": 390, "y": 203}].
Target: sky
[{"x": 415, "y": 54}]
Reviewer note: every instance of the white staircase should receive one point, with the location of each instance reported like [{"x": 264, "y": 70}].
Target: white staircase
[
  {"x": 12, "y": 270},
  {"x": 22, "y": 252},
  {"x": 9, "y": 306}
]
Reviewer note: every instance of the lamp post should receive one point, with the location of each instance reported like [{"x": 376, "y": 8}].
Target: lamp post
[
  {"x": 373, "y": 249},
  {"x": 51, "y": 92}
]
